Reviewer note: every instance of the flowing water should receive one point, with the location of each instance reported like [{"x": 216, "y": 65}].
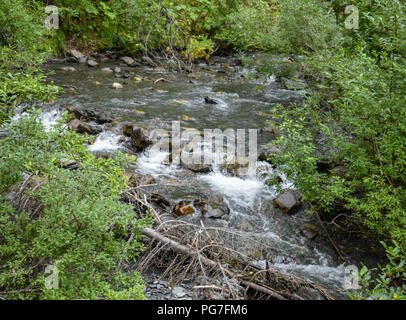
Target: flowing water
[{"x": 239, "y": 106}]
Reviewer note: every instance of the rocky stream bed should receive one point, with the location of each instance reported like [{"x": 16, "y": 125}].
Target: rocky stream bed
[{"x": 120, "y": 102}]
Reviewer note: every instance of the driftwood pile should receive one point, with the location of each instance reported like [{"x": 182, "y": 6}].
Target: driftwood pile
[{"x": 184, "y": 249}]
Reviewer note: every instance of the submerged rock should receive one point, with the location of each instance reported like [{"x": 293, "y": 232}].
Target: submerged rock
[
  {"x": 288, "y": 200},
  {"x": 107, "y": 70},
  {"x": 210, "y": 100},
  {"x": 71, "y": 69}
]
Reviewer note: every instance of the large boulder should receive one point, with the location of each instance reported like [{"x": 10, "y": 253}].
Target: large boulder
[
  {"x": 288, "y": 200},
  {"x": 139, "y": 136}
]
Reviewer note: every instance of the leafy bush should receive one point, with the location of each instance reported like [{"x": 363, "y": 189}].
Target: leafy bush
[
  {"x": 199, "y": 48},
  {"x": 354, "y": 122},
  {"x": 306, "y": 26},
  {"x": 76, "y": 223},
  {"x": 382, "y": 287},
  {"x": 251, "y": 26}
]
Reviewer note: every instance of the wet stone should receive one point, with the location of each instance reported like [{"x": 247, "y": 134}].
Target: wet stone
[
  {"x": 91, "y": 63},
  {"x": 288, "y": 200}
]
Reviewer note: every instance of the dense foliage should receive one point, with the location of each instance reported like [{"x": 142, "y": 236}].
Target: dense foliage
[
  {"x": 345, "y": 147},
  {"x": 354, "y": 122},
  {"x": 74, "y": 219}
]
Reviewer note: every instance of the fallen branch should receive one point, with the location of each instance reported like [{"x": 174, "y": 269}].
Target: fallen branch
[{"x": 182, "y": 249}]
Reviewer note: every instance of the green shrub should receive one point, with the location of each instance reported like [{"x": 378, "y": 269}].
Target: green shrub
[
  {"x": 358, "y": 108},
  {"x": 81, "y": 227},
  {"x": 251, "y": 26},
  {"x": 24, "y": 44},
  {"x": 306, "y": 26}
]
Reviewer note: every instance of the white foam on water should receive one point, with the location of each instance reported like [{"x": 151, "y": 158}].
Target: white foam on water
[
  {"x": 106, "y": 141},
  {"x": 48, "y": 118},
  {"x": 239, "y": 190},
  {"x": 155, "y": 162},
  {"x": 329, "y": 275},
  {"x": 270, "y": 79}
]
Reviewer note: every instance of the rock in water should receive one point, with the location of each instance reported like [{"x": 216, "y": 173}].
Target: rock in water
[
  {"x": 183, "y": 208},
  {"x": 148, "y": 61},
  {"x": 82, "y": 127},
  {"x": 117, "y": 70},
  {"x": 309, "y": 231},
  {"x": 215, "y": 207},
  {"x": 107, "y": 70},
  {"x": 197, "y": 167},
  {"x": 134, "y": 179},
  {"x": 139, "y": 136},
  {"x": 91, "y": 63},
  {"x": 71, "y": 69},
  {"x": 288, "y": 200},
  {"x": 117, "y": 85},
  {"x": 101, "y": 117},
  {"x": 210, "y": 100},
  {"x": 78, "y": 55},
  {"x": 127, "y": 60}
]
